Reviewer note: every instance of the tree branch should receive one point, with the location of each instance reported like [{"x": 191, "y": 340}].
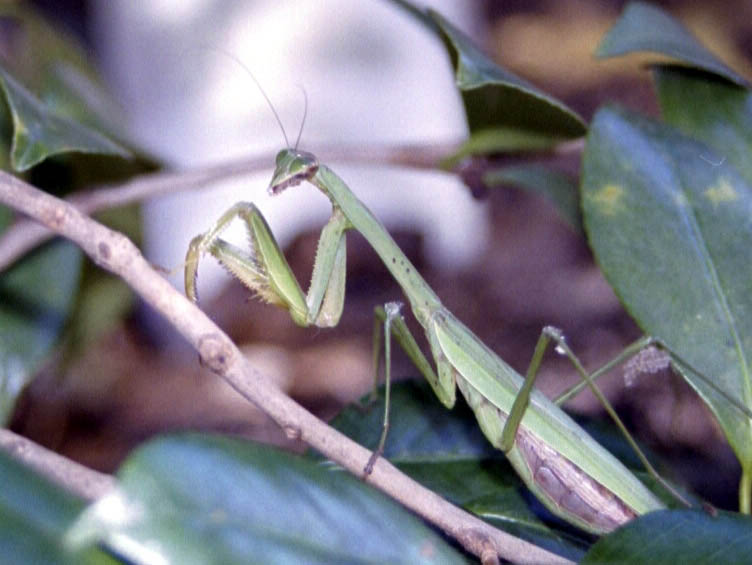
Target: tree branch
[
  {"x": 116, "y": 253},
  {"x": 72, "y": 476}
]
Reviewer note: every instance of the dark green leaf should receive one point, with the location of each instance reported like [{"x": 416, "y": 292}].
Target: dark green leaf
[
  {"x": 54, "y": 66},
  {"x": 36, "y": 297},
  {"x": 709, "y": 109},
  {"x": 643, "y": 27},
  {"x": 38, "y": 132},
  {"x": 421, "y": 429},
  {"x": 34, "y": 517},
  {"x": 446, "y": 452},
  {"x": 671, "y": 225},
  {"x": 419, "y": 14},
  {"x": 199, "y": 499},
  {"x": 496, "y": 98},
  {"x": 503, "y": 111},
  {"x": 556, "y": 186},
  {"x": 677, "y": 536}
]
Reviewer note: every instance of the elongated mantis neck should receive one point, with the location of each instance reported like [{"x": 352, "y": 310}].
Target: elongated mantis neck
[{"x": 293, "y": 167}]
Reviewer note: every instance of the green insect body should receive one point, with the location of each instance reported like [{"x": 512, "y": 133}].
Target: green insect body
[{"x": 568, "y": 471}]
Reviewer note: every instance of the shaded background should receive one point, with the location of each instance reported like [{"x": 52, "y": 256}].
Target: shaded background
[{"x": 522, "y": 268}]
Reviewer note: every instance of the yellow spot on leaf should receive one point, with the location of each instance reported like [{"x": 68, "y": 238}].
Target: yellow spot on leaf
[
  {"x": 608, "y": 198},
  {"x": 679, "y": 199},
  {"x": 722, "y": 192}
]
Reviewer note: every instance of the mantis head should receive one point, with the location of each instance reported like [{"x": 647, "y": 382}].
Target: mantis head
[{"x": 293, "y": 167}]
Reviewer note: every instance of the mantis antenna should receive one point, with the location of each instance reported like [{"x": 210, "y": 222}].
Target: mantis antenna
[
  {"x": 263, "y": 93},
  {"x": 305, "y": 114}
]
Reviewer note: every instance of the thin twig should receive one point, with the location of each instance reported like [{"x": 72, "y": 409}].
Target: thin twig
[
  {"x": 25, "y": 234},
  {"x": 116, "y": 253},
  {"x": 72, "y": 476}
]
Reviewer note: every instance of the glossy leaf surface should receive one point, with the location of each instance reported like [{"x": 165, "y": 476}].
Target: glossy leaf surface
[
  {"x": 199, "y": 499},
  {"x": 669, "y": 222}
]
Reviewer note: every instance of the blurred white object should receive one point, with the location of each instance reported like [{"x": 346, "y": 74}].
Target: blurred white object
[{"x": 372, "y": 75}]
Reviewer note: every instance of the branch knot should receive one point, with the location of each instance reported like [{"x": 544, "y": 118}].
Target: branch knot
[{"x": 215, "y": 352}]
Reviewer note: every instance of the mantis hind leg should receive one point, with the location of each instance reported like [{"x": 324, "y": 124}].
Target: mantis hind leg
[
  {"x": 394, "y": 325},
  {"x": 549, "y": 334},
  {"x": 390, "y": 313}
]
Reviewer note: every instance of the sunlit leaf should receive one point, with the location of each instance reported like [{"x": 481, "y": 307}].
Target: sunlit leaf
[
  {"x": 669, "y": 222},
  {"x": 199, "y": 499}
]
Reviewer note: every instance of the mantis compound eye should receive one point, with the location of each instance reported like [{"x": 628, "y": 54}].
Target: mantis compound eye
[{"x": 304, "y": 161}]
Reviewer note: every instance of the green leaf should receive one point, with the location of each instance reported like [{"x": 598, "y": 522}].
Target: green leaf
[
  {"x": 679, "y": 536},
  {"x": 709, "y": 109},
  {"x": 446, "y": 452},
  {"x": 33, "y": 312},
  {"x": 669, "y": 223},
  {"x": 200, "y": 499},
  {"x": 39, "y": 132},
  {"x": 34, "y": 516},
  {"x": 503, "y": 111},
  {"x": 420, "y": 427},
  {"x": 556, "y": 186},
  {"x": 54, "y": 66},
  {"x": 643, "y": 27}
]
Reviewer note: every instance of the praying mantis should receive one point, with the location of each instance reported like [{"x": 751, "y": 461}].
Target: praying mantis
[{"x": 567, "y": 470}]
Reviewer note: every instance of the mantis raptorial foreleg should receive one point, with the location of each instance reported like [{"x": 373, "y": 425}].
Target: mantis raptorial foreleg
[
  {"x": 266, "y": 272},
  {"x": 563, "y": 466}
]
